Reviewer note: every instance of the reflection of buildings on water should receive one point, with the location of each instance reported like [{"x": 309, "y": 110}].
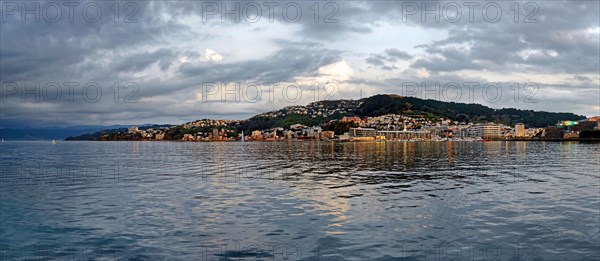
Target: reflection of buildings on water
[
  {"x": 521, "y": 148},
  {"x": 514, "y": 149},
  {"x": 381, "y": 155},
  {"x": 450, "y": 153}
]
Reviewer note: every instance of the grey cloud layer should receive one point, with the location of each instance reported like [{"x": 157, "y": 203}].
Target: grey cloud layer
[
  {"x": 386, "y": 59},
  {"x": 106, "y": 52}
]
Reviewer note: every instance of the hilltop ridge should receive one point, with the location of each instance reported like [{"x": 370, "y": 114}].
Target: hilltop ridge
[{"x": 381, "y": 104}]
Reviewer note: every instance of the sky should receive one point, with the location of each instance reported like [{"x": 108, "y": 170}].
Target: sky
[{"x": 107, "y": 63}]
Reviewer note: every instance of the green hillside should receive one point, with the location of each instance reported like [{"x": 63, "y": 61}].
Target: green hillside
[{"x": 384, "y": 104}]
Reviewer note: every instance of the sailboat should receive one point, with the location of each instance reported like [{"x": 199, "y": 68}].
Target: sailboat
[{"x": 53, "y": 141}]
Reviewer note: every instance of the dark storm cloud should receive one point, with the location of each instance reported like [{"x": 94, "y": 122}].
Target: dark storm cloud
[
  {"x": 328, "y": 21},
  {"x": 554, "y": 27},
  {"x": 291, "y": 60},
  {"x": 103, "y": 52},
  {"x": 34, "y": 50},
  {"x": 61, "y": 45},
  {"x": 561, "y": 29},
  {"x": 503, "y": 48}
]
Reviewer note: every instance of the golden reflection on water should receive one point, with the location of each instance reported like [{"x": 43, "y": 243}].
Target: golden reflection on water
[
  {"x": 450, "y": 153},
  {"x": 335, "y": 165}
]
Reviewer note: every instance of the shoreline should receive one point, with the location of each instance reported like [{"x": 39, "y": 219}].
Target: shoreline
[{"x": 365, "y": 141}]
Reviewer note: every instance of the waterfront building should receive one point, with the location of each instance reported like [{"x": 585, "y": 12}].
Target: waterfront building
[
  {"x": 215, "y": 134},
  {"x": 345, "y": 136},
  {"x": 405, "y": 135},
  {"x": 288, "y": 134},
  {"x": 256, "y": 135},
  {"x": 571, "y": 135},
  {"x": 595, "y": 119},
  {"x": 520, "y": 130},
  {"x": 370, "y": 134},
  {"x": 362, "y": 132},
  {"x": 486, "y": 131},
  {"x": 327, "y": 135},
  {"x": 553, "y": 133},
  {"x": 584, "y": 125}
]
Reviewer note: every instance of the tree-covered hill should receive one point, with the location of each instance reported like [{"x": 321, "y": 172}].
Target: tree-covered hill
[{"x": 384, "y": 104}]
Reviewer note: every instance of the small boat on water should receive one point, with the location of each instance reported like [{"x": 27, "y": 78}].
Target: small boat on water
[{"x": 53, "y": 141}]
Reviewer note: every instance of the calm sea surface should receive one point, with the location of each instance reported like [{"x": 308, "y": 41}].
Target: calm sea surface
[{"x": 300, "y": 201}]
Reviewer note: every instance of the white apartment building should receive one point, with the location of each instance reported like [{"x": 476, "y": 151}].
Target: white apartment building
[
  {"x": 520, "y": 130},
  {"x": 485, "y": 131}
]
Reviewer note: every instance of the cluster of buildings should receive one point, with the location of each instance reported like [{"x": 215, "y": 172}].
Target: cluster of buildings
[
  {"x": 317, "y": 109},
  {"x": 214, "y": 135},
  {"x": 209, "y": 123},
  {"x": 150, "y": 134},
  {"x": 392, "y": 122},
  {"x": 296, "y": 131},
  {"x": 448, "y": 130},
  {"x": 571, "y": 129},
  {"x": 402, "y": 127},
  {"x": 385, "y": 127}
]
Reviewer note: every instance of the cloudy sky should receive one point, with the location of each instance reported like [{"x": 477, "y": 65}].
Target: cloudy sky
[{"x": 104, "y": 63}]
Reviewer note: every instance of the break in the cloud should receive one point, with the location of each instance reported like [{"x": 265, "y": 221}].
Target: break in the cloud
[
  {"x": 212, "y": 56},
  {"x": 162, "y": 55}
]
